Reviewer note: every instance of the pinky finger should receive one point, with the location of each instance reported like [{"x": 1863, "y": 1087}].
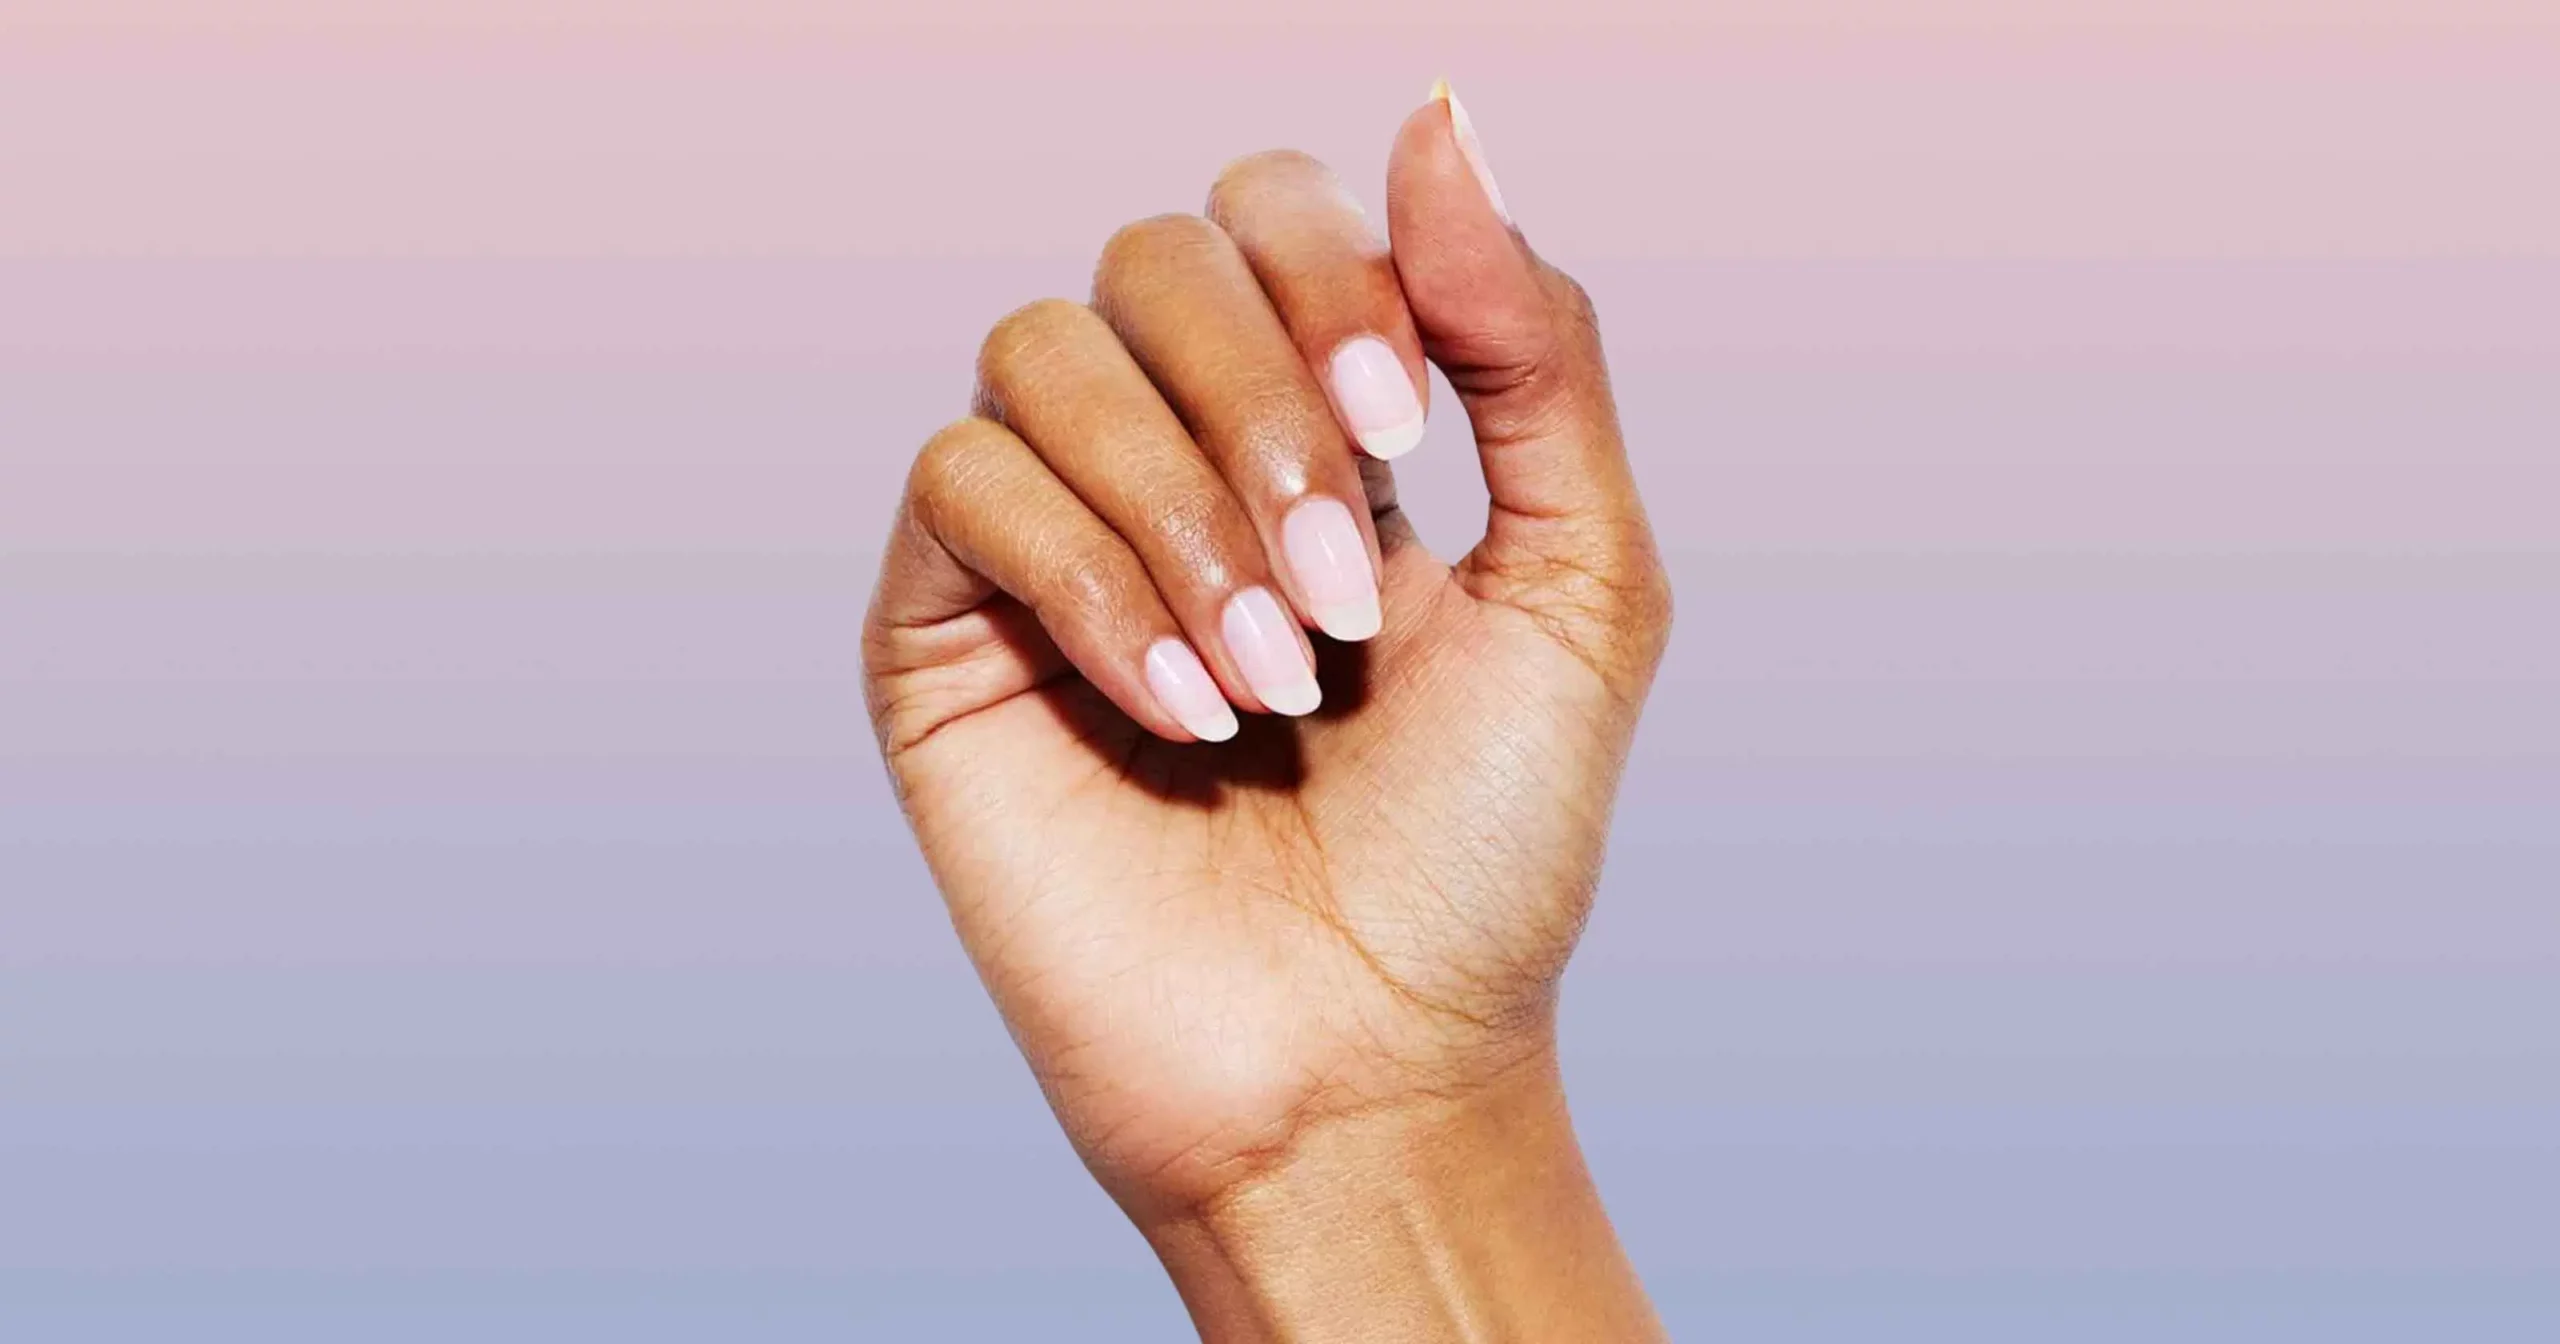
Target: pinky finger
[{"x": 991, "y": 510}]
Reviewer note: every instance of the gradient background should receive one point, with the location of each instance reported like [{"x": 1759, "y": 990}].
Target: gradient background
[{"x": 2091, "y": 871}]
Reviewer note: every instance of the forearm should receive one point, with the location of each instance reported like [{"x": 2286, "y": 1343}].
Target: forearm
[{"x": 1458, "y": 1221}]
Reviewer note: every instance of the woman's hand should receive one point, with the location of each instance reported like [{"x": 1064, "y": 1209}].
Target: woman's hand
[{"x": 1291, "y": 994}]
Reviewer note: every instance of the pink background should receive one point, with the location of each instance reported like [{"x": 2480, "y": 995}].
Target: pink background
[{"x": 2091, "y": 868}]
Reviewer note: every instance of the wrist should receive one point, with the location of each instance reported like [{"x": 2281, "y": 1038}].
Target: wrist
[{"x": 1459, "y": 1217}]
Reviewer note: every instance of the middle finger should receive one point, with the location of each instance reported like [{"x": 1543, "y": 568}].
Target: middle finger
[{"x": 1187, "y": 306}]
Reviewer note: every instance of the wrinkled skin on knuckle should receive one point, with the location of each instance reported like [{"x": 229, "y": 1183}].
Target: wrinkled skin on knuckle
[
  {"x": 1095, "y": 591},
  {"x": 933, "y": 475},
  {"x": 1634, "y": 599},
  {"x": 1265, "y": 164},
  {"x": 1503, "y": 367},
  {"x": 1576, "y": 330},
  {"x": 1023, "y": 345},
  {"x": 1650, "y": 613},
  {"x": 1571, "y": 298},
  {"x": 1202, "y": 532},
  {"x": 1150, "y": 253},
  {"x": 1241, "y": 181},
  {"x": 947, "y": 469},
  {"x": 1280, "y": 430}
]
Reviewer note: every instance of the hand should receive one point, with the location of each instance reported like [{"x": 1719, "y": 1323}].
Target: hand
[{"x": 1300, "y": 981}]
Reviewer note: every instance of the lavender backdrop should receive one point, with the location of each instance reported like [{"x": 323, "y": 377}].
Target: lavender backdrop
[{"x": 2092, "y": 869}]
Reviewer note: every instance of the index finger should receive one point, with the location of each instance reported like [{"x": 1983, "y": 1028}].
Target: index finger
[{"x": 1328, "y": 275}]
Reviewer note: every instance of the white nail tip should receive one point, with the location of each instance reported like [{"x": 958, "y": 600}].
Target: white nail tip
[
  {"x": 1348, "y": 623},
  {"x": 1389, "y": 444},
  {"x": 1293, "y": 699}
]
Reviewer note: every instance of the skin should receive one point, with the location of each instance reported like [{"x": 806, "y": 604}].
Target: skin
[{"x": 1291, "y": 995}]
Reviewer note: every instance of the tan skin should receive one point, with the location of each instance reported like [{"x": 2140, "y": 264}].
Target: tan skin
[{"x": 1291, "y": 995}]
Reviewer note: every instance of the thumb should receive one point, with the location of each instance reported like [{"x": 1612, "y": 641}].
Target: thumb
[{"x": 1520, "y": 345}]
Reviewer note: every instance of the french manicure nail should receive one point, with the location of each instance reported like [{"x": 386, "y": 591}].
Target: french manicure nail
[
  {"x": 1471, "y": 148},
  {"x": 1187, "y": 692},
  {"x": 1264, "y": 642},
  {"x": 1331, "y": 564},
  {"x": 1377, "y": 397}
]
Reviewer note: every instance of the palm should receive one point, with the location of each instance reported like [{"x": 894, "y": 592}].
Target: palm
[{"x": 1203, "y": 946}]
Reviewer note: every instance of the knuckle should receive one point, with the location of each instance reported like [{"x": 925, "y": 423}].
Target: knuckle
[
  {"x": 1577, "y": 300},
  {"x": 953, "y": 463},
  {"x": 1627, "y": 562},
  {"x": 1652, "y": 609},
  {"x": 1276, "y": 414},
  {"x": 1608, "y": 597},
  {"x": 1239, "y": 180},
  {"x": 1574, "y": 301},
  {"x": 1028, "y": 337},
  {"x": 1637, "y": 598},
  {"x": 1203, "y": 532},
  {"x": 1097, "y": 584},
  {"x": 1153, "y": 247},
  {"x": 1186, "y": 517}
]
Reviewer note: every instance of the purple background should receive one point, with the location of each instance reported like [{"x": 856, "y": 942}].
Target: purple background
[{"x": 2091, "y": 870}]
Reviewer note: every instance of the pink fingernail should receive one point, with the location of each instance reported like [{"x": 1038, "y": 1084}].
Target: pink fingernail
[
  {"x": 1377, "y": 397},
  {"x": 1331, "y": 564},
  {"x": 1264, "y": 642},
  {"x": 1470, "y": 148},
  {"x": 1187, "y": 692}
]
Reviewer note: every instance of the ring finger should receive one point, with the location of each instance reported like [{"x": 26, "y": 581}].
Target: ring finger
[
  {"x": 1187, "y": 307},
  {"x": 1056, "y": 376}
]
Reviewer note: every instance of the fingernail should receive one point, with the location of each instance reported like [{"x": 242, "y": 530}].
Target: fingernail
[
  {"x": 1471, "y": 148},
  {"x": 1331, "y": 564},
  {"x": 1264, "y": 642},
  {"x": 1377, "y": 397},
  {"x": 1187, "y": 692}
]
